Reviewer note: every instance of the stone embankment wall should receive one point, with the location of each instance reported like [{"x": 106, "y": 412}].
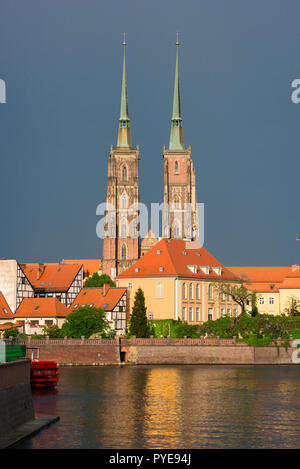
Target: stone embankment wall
[
  {"x": 16, "y": 406},
  {"x": 156, "y": 351}
]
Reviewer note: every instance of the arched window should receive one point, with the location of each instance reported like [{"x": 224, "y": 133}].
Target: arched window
[
  {"x": 191, "y": 291},
  {"x": 123, "y": 201},
  {"x": 123, "y": 229},
  {"x": 176, "y": 167},
  {"x": 210, "y": 292},
  {"x": 124, "y": 173},
  {"x": 184, "y": 291},
  {"x": 124, "y": 252},
  {"x": 177, "y": 232},
  {"x": 198, "y": 291},
  {"x": 176, "y": 202}
]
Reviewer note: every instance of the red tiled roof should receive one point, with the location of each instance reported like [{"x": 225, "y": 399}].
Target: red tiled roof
[
  {"x": 105, "y": 298},
  {"x": 41, "y": 307},
  {"x": 261, "y": 274},
  {"x": 172, "y": 258},
  {"x": 90, "y": 266},
  {"x": 51, "y": 277},
  {"x": 269, "y": 279},
  {"x": 5, "y": 311}
]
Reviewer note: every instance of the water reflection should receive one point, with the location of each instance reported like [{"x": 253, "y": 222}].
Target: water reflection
[{"x": 172, "y": 407}]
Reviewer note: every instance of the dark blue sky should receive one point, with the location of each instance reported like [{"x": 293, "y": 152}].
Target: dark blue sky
[{"x": 61, "y": 61}]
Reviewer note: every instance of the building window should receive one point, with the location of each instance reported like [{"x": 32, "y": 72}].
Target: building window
[
  {"x": 222, "y": 312},
  {"x": 184, "y": 291},
  {"x": 184, "y": 313},
  {"x": 229, "y": 311},
  {"x": 48, "y": 323},
  {"x": 176, "y": 167},
  {"x": 151, "y": 316},
  {"x": 123, "y": 201},
  {"x": 124, "y": 252},
  {"x": 123, "y": 229},
  {"x": 159, "y": 290},
  {"x": 271, "y": 301},
  {"x": 191, "y": 291},
  {"x": 210, "y": 292},
  {"x": 235, "y": 312},
  {"x": 198, "y": 291},
  {"x": 177, "y": 231},
  {"x": 124, "y": 173},
  {"x": 197, "y": 314},
  {"x": 210, "y": 314},
  {"x": 129, "y": 285},
  {"x": 191, "y": 314},
  {"x": 261, "y": 300}
]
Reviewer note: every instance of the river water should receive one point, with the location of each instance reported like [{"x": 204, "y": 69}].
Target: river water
[{"x": 171, "y": 407}]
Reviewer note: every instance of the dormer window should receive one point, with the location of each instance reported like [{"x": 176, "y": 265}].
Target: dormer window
[
  {"x": 217, "y": 270},
  {"x": 205, "y": 269},
  {"x": 193, "y": 268}
]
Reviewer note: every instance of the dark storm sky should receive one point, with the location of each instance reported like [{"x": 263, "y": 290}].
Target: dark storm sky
[{"x": 61, "y": 61}]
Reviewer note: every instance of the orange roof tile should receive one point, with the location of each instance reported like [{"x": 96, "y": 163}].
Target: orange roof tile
[
  {"x": 261, "y": 274},
  {"x": 41, "y": 307},
  {"x": 178, "y": 258},
  {"x": 5, "y": 311},
  {"x": 90, "y": 266},
  {"x": 105, "y": 298},
  {"x": 51, "y": 277}
]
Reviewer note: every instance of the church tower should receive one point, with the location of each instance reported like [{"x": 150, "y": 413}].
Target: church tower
[
  {"x": 179, "y": 177},
  {"x": 121, "y": 240}
]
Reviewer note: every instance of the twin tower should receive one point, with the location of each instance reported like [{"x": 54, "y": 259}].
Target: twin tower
[{"x": 120, "y": 248}]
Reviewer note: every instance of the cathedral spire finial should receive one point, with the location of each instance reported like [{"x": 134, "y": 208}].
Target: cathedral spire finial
[
  {"x": 176, "y": 136},
  {"x": 124, "y": 136}
]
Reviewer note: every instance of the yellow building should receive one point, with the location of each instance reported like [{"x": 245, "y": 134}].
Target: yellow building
[
  {"x": 275, "y": 286},
  {"x": 180, "y": 280}
]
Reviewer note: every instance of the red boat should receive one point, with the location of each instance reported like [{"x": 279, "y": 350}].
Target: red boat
[{"x": 43, "y": 374}]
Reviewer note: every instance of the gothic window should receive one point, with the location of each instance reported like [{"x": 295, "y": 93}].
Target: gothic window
[
  {"x": 124, "y": 173},
  {"x": 177, "y": 229},
  {"x": 176, "y": 202},
  {"x": 176, "y": 167},
  {"x": 124, "y": 252},
  {"x": 123, "y": 201},
  {"x": 123, "y": 229}
]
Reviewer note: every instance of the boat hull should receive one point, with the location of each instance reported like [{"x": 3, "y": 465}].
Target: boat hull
[{"x": 43, "y": 374}]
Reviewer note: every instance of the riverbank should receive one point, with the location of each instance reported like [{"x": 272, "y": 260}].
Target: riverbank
[{"x": 162, "y": 351}]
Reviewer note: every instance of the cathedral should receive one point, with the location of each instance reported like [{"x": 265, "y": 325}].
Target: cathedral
[{"x": 122, "y": 245}]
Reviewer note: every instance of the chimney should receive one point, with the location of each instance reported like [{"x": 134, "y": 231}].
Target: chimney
[
  {"x": 40, "y": 271},
  {"x": 105, "y": 287}
]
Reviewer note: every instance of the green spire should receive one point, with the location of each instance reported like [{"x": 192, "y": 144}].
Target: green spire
[
  {"x": 124, "y": 137},
  {"x": 176, "y": 136}
]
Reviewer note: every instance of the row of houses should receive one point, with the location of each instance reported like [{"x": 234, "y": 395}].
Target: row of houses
[
  {"x": 180, "y": 280},
  {"x": 38, "y": 295}
]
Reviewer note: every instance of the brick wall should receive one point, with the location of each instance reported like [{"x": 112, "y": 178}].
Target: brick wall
[
  {"x": 156, "y": 351},
  {"x": 75, "y": 351}
]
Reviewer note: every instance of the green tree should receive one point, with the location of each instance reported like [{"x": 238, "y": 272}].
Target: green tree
[
  {"x": 139, "y": 325},
  {"x": 239, "y": 294},
  {"x": 99, "y": 280},
  {"x": 85, "y": 321},
  {"x": 293, "y": 307},
  {"x": 11, "y": 332},
  {"x": 54, "y": 332}
]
